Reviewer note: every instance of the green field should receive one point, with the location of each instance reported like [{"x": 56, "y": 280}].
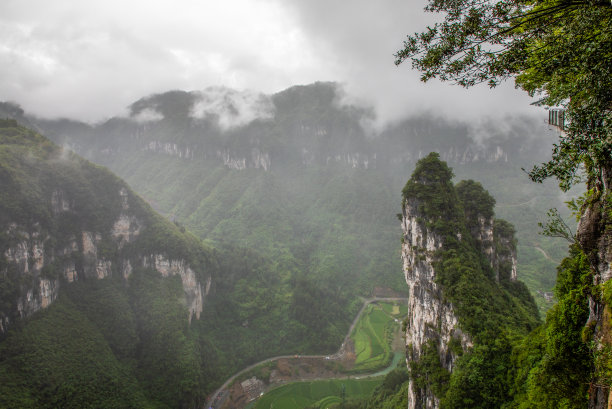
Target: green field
[
  {"x": 373, "y": 334},
  {"x": 397, "y": 310},
  {"x": 318, "y": 394}
]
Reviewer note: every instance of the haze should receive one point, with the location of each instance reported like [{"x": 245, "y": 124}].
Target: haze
[{"x": 90, "y": 60}]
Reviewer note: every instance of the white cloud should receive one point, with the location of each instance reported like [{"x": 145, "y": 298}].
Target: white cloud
[
  {"x": 232, "y": 108},
  {"x": 148, "y": 115},
  {"x": 91, "y": 59}
]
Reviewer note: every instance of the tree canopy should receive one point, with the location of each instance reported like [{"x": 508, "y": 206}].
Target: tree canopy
[{"x": 560, "y": 50}]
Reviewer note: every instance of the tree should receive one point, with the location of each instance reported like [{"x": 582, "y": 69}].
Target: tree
[{"x": 559, "y": 49}]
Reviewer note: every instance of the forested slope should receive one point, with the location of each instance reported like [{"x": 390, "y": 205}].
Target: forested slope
[{"x": 296, "y": 177}]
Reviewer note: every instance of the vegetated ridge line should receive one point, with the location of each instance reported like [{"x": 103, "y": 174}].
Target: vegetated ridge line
[{"x": 274, "y": 358}]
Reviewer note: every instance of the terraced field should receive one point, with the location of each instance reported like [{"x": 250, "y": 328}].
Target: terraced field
[
  {"x": 318, "y": 394},
  {"x": 373, "y": 334}
]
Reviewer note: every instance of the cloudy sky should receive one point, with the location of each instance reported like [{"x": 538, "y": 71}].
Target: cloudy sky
[{"x": 91, "y": 59}]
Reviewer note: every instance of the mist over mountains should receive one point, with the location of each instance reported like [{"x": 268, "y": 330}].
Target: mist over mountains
[
  {"x": 312, "y": 120},
  {"x": 296, "y": 197},
  {"x": 184, "y": 150}
]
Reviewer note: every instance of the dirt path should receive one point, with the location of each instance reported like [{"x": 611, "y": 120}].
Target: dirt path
[
  {"x": 217, "y": 397},
  {"x": 517, "y": 204},
  {"x": 544, "y": 253}
]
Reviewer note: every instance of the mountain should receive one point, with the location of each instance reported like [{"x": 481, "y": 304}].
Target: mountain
[
  {"x": 465, "y": 300},
  {"x": 301, "y": 177},
  {"x": 98, "y": 291},
  {"x": 473, "y": 337},
  {"x": 105, "y": 302},
  {"x": 291, "y": 199}
]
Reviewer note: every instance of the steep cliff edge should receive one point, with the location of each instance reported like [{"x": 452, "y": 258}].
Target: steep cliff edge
[
  {"x": 460, "y": 265},
  {"x": 64, "y": 219},
  {"x": 594, "y": 234},
  {"x": 100, "y": 297}
]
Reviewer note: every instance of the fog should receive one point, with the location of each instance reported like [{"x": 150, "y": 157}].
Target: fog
[{"x": 90, "y": 61}]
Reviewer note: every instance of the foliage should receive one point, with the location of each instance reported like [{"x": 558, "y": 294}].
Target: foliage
[
  {"x": 553, "y": 365},
  {"x": 479, "y": 379},
  {"x": 391, "y": 394},
  {"x": 430, "y": 186},
  {"x": 60, "y": 359},
  {"x": 562, "y": 49},
  {"x": 475, "y": 199},
  {"x": 427, "y": 371},
  {"x": 555, "y": 226}
]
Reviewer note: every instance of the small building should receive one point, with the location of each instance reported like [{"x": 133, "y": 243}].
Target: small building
[
  {"x": 556, "y": 117},
  {"x": 253, "y": 388}
]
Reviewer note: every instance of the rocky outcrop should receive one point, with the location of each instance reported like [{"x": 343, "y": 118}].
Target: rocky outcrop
[
  {"x": 594, "y": 234},
  {"x": 450, "y": 241},
  {"x": 257, "y": 159},
  {"x": 430, "y": 316},
  {"x": 37, "y": 265},
  {"x": 496, "y": 241},
  {"x": 475, "y": 153},
  {"x": 171, "y": 149},
  {"x": 191, "y": 286},
  {"x": 354, "y": 160}
]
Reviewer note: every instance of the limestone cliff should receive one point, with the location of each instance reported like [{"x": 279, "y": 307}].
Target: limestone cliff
[
  {"x": 430, "y": 316},
  {"x": 594, "y": 234},
  {"x": 442, "y": 223},
  {"x": 64, "y": 219}
]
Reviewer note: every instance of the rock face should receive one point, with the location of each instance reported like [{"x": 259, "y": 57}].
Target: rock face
[
  {"x": 432, "y": 319},
  {"x": 37, "y": 264},
  {"x": 191, "y": 286},
  {"x": 595, "y": 238}
]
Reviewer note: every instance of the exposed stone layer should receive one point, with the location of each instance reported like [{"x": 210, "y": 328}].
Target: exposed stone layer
[
  {"x": 45, "y": 263},
  {"x": 430, "y": 317}
]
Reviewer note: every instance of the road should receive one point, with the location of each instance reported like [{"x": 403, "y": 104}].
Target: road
[
  {"x": 544, "y": 253},
  {"x": 366, "y": 301}
]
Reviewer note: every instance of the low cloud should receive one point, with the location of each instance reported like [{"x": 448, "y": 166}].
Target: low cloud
[
  {"x": 147, "y": 115},
  {"x": 232, "y": 108},
  {"x": 84, "y": 60}
]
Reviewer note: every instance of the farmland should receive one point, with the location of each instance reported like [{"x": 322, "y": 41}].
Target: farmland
[
  {"x": 318, "y": 394},
  {"x": 373, "y": 335}
]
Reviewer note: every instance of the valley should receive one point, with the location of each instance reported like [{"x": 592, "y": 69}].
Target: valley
[
  {"x": 373, "y": 342},
  {"x": 290, "y": 223}
]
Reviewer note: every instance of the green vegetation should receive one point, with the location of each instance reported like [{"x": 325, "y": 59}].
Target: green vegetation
[
  {"x": 372, "y": 337},
  {"x": 392, "y": 393},
  {"x": 102, "y": 344},
  {"x": 493, "y": 313},
  {"x": 562, "y": 51},
  {"x": 316, "y": 394},
  {"x": 314, "y": 210},
  {"x": 553, "y": 366}
]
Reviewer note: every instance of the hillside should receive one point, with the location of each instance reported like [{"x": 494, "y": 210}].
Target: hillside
[
  {"x": 98, "y": 291},
  {"x": 303, "y": 180},
  {"x": 89, "y": 268},
  {"x": 472, "y": 335}
]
